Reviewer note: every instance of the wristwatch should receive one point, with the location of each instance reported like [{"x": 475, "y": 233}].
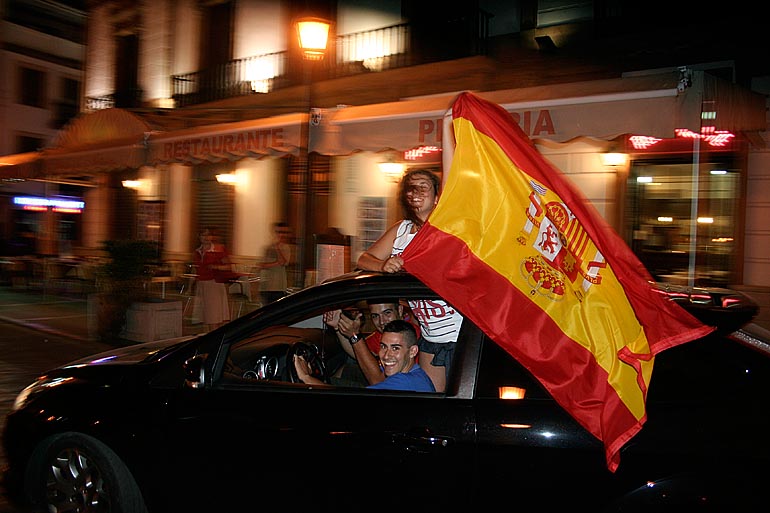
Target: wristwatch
[{"x": 354, "y": 339}]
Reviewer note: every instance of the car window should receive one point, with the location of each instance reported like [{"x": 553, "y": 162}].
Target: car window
[
  {"x": 501, "y": 376},
  {"x": 265, "y": 357}
]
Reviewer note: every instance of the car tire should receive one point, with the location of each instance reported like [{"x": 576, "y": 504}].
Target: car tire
[{"x": 75, "y": 472}]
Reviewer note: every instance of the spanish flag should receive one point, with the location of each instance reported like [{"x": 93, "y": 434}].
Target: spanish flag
[{"x": 521, "y": 252}]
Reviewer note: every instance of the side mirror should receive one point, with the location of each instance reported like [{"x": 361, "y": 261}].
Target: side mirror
[{"x": 194, "y": 371}]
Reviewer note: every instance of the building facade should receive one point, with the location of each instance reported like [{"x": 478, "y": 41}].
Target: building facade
[
  {"x": 42, "y": 51},
  {"x": 181, "y": 94}
]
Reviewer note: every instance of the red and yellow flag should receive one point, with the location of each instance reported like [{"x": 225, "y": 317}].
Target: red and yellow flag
[{"x": 521, "y": 252}]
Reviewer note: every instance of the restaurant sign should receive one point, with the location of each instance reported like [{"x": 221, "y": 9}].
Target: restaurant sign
[{"x": 255, "y": 138}]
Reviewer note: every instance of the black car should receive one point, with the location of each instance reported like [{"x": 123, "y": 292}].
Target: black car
[
  {"x": 726, "y": 309},
  {"x": 220, "y": 423}
]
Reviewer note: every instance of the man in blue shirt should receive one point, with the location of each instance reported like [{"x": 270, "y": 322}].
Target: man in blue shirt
[{"x": 398, "y": 355}]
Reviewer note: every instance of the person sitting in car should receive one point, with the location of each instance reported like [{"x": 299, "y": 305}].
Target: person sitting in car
[
  {"x": 398, "y": 361},
  {"x": 348, "y": 326}
]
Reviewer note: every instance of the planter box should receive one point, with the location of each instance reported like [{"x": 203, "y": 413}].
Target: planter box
[{"x": 150, "y": 321}]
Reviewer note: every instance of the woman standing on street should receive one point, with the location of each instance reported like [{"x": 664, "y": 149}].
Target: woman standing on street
[{"x": 210, "y": 257}]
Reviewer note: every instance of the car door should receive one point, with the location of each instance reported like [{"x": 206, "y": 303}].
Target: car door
[
  {"x": 529, "y": 448},
  {"x": 281, "y": 444}
]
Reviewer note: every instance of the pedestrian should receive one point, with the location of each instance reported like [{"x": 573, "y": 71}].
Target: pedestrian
[
  {"x": 273, "y": 268},
  {"x": 439, "y": 321},
  {"x": 210, "y": 258}
]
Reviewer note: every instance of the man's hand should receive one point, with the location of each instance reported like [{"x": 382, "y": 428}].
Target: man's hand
[
  {"x": 349, "y": 327},
  {"x": 332, "y": 318},
  {"x": 302, "y": 368}
]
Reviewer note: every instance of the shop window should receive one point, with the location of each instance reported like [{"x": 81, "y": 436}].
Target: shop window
[{"x": 681, "y": 231}]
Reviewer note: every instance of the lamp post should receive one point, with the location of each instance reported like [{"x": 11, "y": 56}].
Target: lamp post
[{"x": 313, "y": 34}]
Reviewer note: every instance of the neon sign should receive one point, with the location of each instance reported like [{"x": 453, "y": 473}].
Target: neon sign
[
  {"x": 708, "y": 134},
  {"x": 417, "y": 153},
  {"x": 642, "y": 142},
  {"x": 43, "y": 204}
]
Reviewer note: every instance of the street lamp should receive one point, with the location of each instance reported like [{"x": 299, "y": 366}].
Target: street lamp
[{"x": 313, "y": 34}]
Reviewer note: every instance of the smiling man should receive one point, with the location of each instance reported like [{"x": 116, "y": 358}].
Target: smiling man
[
  {"x": 398, "y": 359},
  {"x": 348, "y": 327}
]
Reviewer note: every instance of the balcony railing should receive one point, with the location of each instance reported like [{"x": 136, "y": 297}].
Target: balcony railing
[
  {"x": 361, "y": 52},
  {"x": 238, "y": 77},
  {"x": 372, "y": 50},
  {"x": 99, "y": 102},
  {"x": 128, "y": 98}
]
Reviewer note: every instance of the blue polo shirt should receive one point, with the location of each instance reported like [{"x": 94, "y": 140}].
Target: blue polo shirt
[{"x": 416, "y": 380}]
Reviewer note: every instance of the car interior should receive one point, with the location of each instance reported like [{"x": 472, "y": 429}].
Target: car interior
[{"x": 267, "y": 356}]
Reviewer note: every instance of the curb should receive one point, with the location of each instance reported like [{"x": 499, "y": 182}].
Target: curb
[{"x": 45, "y": 329}]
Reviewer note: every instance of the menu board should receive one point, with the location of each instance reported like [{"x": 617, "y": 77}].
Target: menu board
[
  {"x": 332, "y": 255},
  {"x": 331, "y": 261}
]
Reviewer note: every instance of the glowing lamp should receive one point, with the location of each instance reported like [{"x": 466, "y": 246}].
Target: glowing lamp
[
  {"x": 313, "y": 36},
  {"x": 393, "y": 171},
  {"x": 228, "y": 178}
]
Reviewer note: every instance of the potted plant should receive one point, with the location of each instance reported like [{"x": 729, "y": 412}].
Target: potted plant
[{"x": 122, "y": 281}]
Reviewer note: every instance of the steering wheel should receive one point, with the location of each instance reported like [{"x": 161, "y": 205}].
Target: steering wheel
[{"x": 313, "y": 359}]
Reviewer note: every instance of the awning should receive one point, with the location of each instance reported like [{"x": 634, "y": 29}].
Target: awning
[
  {"x": 274, "y": 136},
  {"x": 653, "y": 105},
  {"x": 104, "y": 140},
  {"x": 111, "y": 156},
  {"x": 21, "y": 166}
]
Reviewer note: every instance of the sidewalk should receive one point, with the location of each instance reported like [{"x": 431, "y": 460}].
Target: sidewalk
[{"x": 62, "y": 315}]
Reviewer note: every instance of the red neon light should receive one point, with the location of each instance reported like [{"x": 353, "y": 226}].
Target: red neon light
[
  {"x": 34, "y": 208},
  {"x": 720, "y": 138},
  {"x": 708, "y": 134},
  {"x": 642, "y": 142},
  {"x": 417, "y": 153},
  {"x": 67, "y": 210}
]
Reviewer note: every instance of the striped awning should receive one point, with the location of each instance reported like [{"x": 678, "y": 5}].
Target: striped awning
[{"x": 104, "y": 140}]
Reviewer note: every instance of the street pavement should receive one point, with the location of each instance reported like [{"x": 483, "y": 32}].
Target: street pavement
[{"x": 67, "y": 316}]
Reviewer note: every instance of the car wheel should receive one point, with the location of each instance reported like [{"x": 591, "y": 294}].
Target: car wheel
[{"x": 76, "y": 473}]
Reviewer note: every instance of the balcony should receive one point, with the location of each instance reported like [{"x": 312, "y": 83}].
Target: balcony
[
  {"x": 396, "y": 46},
  {"x": 128, "y": 98},
  {"x": 238, "y": 77}
]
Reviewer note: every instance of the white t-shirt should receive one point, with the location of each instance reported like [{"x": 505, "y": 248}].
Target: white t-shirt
[{"x": 439, "y": 322}]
